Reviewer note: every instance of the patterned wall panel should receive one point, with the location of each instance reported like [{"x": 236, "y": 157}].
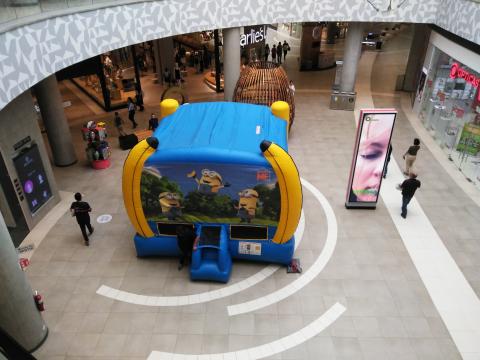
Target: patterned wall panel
[
  {"x": 31, "y": 53},
  {"x": 461, "y": 17}
]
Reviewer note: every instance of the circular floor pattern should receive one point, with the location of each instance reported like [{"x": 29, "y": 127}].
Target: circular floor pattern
[
  {"x": 308, "y": 275},
  {"x": 268, "y": 349},
  {"x": 203, "y": 297},
  {"x": 255, "y": 304}
]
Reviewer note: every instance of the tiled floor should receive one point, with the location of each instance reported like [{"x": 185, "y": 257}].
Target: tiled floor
[{"x": 389, "y": 313}]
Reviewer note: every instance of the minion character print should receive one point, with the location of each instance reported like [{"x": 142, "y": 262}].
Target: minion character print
[
  {"x": 247, "y": 205},
  {"x": 210, "y": 182},
  {"x": 170, "y": 204}
]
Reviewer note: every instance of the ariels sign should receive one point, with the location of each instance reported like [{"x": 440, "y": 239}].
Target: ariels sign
[{"x": 253, "y": 35}]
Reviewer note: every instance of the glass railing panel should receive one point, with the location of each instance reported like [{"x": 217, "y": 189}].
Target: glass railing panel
[{"x": 51, "y": 5}]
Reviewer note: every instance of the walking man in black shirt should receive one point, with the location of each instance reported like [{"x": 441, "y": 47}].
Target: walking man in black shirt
[
  {"x": 80, "y": 210},
  {"x": 408, "y": 187}
]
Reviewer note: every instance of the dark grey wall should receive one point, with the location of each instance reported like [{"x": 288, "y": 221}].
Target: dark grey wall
[{"x": 17, "y": 121}]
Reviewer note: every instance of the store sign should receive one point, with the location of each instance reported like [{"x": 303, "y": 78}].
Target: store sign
[
  {"x": 458, "y": 72},
  {"x": 374, "y": 131},
  {"x": 253, "y": 35}
]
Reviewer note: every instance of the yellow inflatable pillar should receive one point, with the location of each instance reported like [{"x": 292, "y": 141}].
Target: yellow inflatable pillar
[
  {"x": 168, "y": 107},
  {"x": 281, "y": 109},
  {"x": 131, "y": 180},
  {"x": 290, "y": 190}
]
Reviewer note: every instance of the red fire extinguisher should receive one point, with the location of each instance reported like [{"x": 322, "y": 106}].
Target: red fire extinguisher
[{"x": 38, "y": 301}]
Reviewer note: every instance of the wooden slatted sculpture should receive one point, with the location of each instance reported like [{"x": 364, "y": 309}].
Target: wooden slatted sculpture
[{"x": 264, "y": 82}]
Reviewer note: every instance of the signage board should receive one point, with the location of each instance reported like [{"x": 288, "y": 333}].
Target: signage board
[
  {"x": 26, "y": 248},
  {"x": 253, "y": 35},
  {"x": 249, "y": 248},
  {"x": 374, "y": 132},
  {"x": 33, "y": 178},
  {"x": 456, "y": 71}
]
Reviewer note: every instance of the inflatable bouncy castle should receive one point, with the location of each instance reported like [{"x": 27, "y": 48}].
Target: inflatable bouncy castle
[{"x": 223, "y": 170}]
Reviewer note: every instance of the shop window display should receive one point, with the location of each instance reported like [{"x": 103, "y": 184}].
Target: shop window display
[
  {"x": 113, "y": 79},
  {"x": 450, "y": 111}
]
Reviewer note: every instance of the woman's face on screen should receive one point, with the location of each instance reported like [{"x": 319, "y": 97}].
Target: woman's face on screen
[{"x": 370, "y": 160}]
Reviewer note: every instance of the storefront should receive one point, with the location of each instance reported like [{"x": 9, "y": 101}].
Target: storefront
[
  {"x": 111, "y": 78},
  {"x": 448, "y": 103},
  {"x": 252, "y": 43}
]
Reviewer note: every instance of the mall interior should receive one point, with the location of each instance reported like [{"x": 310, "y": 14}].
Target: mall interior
[{"x": 274, "y": 139}]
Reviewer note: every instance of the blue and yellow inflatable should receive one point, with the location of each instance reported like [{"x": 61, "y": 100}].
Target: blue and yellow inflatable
[{"x": 222, "y": 168}]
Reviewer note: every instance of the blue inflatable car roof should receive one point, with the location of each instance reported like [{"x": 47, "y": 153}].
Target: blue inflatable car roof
[{"x": 225, "y": 132}]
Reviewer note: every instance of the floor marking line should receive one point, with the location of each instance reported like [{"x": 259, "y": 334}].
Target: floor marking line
[
  {"x": 268, "y": 349},
  {"x": 207, "y": 296},
  {"x": 308, "y": 275},
  {"x": 452, "y": 295}
]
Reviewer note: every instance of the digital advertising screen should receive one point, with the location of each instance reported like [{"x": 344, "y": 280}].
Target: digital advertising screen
[
  {"x": 374, "y": 132},
  {"x": 32, "y": 176}
]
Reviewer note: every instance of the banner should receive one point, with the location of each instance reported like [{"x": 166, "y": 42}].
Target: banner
[
  {"x": 374, "y": 132},
  {"x": 469, "y": 142},
  {"x": 210, "y": 193}
]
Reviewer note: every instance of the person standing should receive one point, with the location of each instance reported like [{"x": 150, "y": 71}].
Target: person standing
[
  {"x": 139, "y": 98},
  {"x": 291, "y": 86},
  {"x": 408, "y": 187},
  {"x": 185, "y": 239},
  {"x": 267, "y": 52},
  {"x": 274, "y": 53},
  {"x": 411, "y": 155},
  {"x": 167, "y": 77},
  {"x": 178, "y": 75},
  {"x": 389, "y": 153},
  {"x": 286, "y": 48},
  {"x": 118, "y": 121},
  {"x": 279, "y": 52},
  {"x": 80, "y": 210},
  {"x": 131, "y": 112},
  {"x": 153, "y": 122}
]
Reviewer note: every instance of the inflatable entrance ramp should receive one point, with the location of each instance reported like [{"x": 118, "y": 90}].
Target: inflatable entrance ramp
[{"x": 223, "y": 172}]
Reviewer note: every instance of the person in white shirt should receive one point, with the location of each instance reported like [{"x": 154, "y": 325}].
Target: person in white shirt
[{"x": 292, "y": 87}]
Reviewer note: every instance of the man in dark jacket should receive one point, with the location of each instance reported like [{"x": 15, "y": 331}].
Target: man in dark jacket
[
  {"x": 408, "y": 187},
  {"x": 153, "y": 122},
  {"x": 80, "y": 210},
  {"x": 185, "y": 239}
]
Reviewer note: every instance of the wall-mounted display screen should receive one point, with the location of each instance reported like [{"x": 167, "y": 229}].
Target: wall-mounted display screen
[
  {"x": 33, "y": 178},
  {"x": 373, "y": 137}
]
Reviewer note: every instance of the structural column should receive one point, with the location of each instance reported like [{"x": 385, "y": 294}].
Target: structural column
[
  {"x": 331, "y": 32},
  {"x": 158, "y": 63},
  {"x": 166, "y": 55},
  {"x": 53, "y": 115},
  {"x": 415, "y": 58},
  {"x": 19, "y": 316},
  {"x": 353, "y": 48},
  {"x": 231, "y": 60}
]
